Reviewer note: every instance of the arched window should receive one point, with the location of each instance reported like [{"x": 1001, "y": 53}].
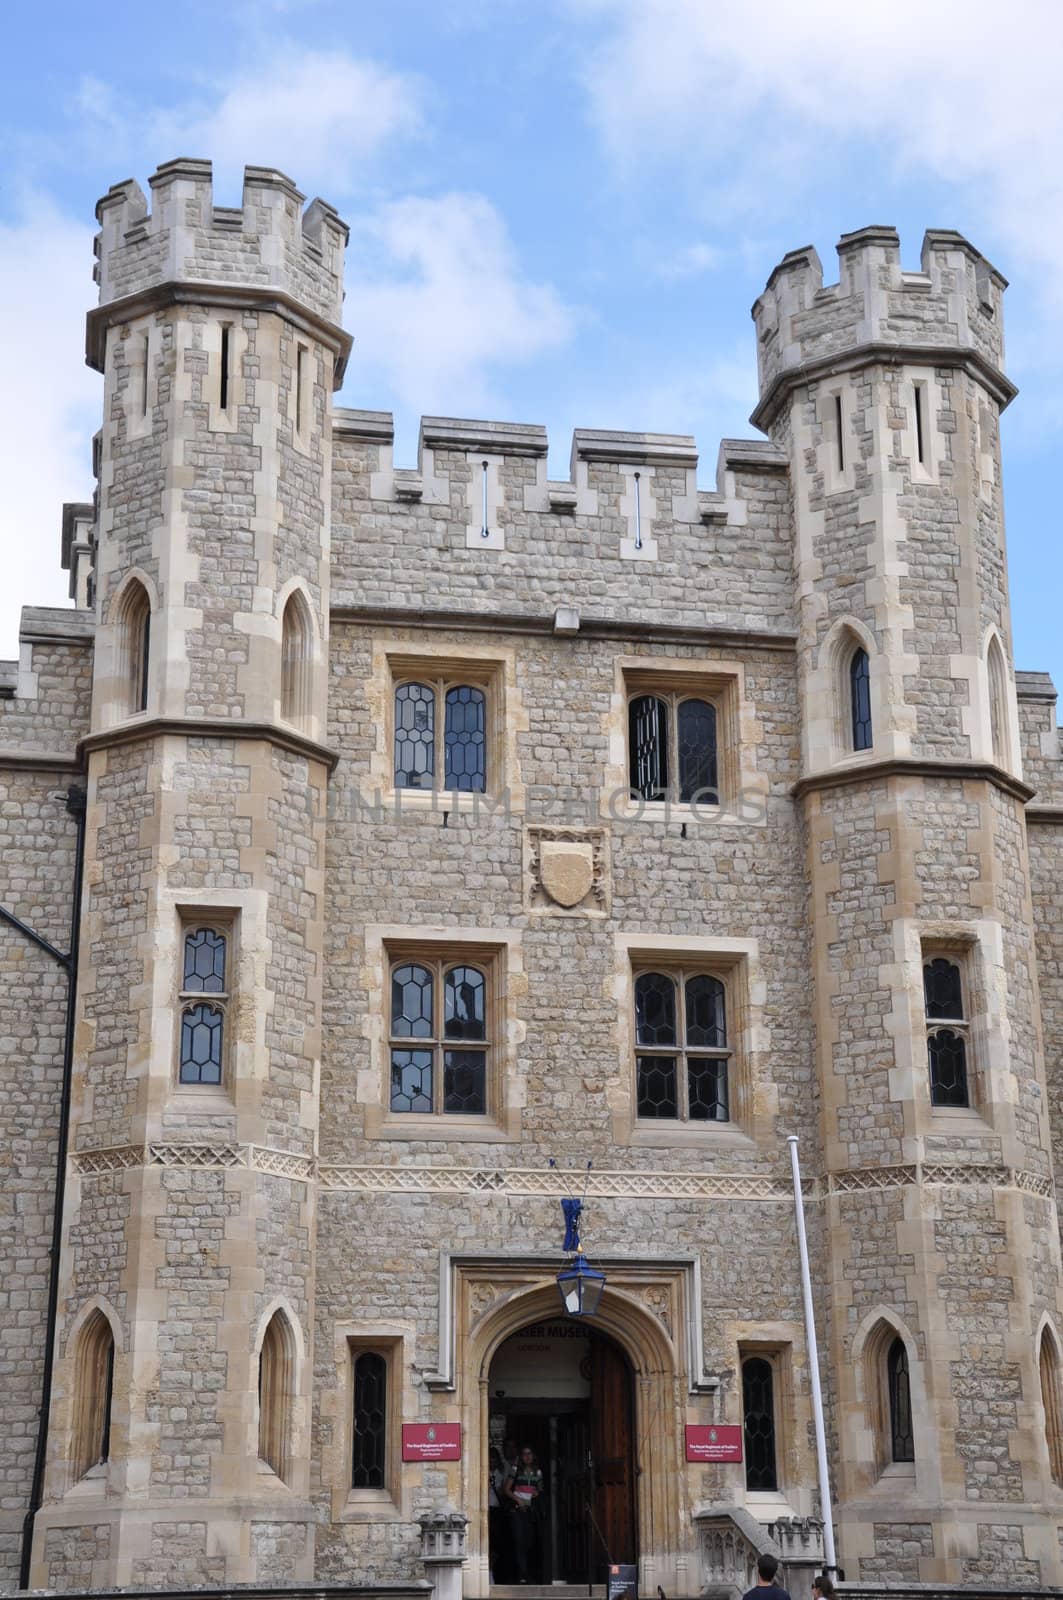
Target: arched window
[
  {"x": 898, "y": 1389},
  {"x": 93, "y": 1389},
  {"x": 673, "y": 734},
  {"x": 276, "y": 1383},
  {"x": 860, "y": 699},
  {"x": 461, "y": 761},
  {"x": 758, "y": 1413},
  {"x": 297, "y": 645},
  {"x": 134, "y": 647},
  {"x": 681, "y": 1049},
  {"x": 205, "y": 971},
  {"x": 369, "y": 1452},
  {"x": 946, "y": 1032},
  {"x": 1052, "y": 1400},
  {"x": 997, "y": 673},
  {"x": 439, "y": 1038}
]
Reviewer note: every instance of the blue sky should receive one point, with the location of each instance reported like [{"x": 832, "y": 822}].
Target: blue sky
[{"x": 560, "y": 213}]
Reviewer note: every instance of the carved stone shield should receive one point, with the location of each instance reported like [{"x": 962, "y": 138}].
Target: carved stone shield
[{"x": 566, "y": 869}]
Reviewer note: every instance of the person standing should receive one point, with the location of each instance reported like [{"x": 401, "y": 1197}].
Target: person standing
[
  {"x": 523, "y": 1490},
  {"x": 766, "y": 1588}
]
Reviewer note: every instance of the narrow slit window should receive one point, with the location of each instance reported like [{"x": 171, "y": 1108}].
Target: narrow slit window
[
  {"x": 134, "y": 647},
  {"x": 302, "y": 389},
  {"x": 838, "y": 432},
  {"x": 146, "y": 353},
  {"x": 918, "y": 408},
  {"x": 223, "y": 386}
]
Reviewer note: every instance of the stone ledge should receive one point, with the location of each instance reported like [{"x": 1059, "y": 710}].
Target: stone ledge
[
  {"x": 913, "y": 767},
  {"x": 209, "y": 728}
]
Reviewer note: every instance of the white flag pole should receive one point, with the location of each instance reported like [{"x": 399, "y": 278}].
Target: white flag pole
[{"x": 829, "y": 1561}]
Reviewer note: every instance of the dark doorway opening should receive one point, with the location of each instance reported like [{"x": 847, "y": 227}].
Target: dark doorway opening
[{"x": 565, "y": 1389}]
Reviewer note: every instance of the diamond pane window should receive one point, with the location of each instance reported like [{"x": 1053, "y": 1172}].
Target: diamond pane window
[
  {"x": 946, "y": 1046},
  {"x": 415, "y": 723},
  {"x": 758, "y": 1408},
  {"x": 201, "y": 1033},
  {"x": 465, "y": 739},
  {"x": 204, "y": 962},
  {"x": 681, "y": 1050},
  {"x": 902, "y": 1440},
  {"x": 201, "y": 1044},
  {"x": 860, "y": 699},
  {"x": 435, "y": 1077},
  {"x": 369, "y": 1458},
  {"x": 696, "y": 737}
]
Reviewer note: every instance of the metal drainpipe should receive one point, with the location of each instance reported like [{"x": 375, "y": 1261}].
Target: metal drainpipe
[{"x": 75, "y": 804}]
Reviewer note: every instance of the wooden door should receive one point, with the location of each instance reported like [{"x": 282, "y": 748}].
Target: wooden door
[{"x": 614, "y": 1537}]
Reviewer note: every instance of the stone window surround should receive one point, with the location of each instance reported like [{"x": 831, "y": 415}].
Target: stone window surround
[
  {"x": 777, "y": 1351},
  {"x": 737, "y": 962},
  {"x": 395, "y": 1343},
  {"x": 498, "y": 953},
  {"x": 743, "y": 790},
  {"x": 873, "y": 1467},
  {"x": 681, "y": 972},
  {"x": 491, "y": 667},
  {"x": 225, "y": 922},
  {"x": 978, "y": 947}
]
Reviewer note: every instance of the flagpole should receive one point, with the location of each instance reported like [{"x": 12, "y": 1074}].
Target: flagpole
[{"x": 829, "y": 1561}]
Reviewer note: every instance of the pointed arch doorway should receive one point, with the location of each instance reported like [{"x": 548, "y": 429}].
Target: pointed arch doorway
[{"x": 566, "y": 1389}]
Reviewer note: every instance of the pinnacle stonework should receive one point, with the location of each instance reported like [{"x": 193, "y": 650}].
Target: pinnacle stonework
[{"x": 240, "y": 1244}]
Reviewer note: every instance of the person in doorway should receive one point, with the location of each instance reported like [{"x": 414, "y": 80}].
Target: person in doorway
[
  {"x": 766, "y": 1588},
  {"x": 823, "y": 1587},
  {"x": 523, "y": 1492},
  {"x": 498, "y": 1533}
]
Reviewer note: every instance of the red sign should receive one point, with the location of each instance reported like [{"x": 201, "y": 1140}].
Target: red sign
[
  {"x": 713, "y": 1442},
  {"x": 431, "y": 1441}
]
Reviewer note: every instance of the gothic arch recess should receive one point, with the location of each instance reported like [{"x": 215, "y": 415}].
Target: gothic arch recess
[
  {"x": 879, "y": 1332},
  {"x": 297, "y": 659},
  {"x": 1050, "y": 1368},
  {"x": 659, "y": 1414},
  {"x": 842, "y": 646}
]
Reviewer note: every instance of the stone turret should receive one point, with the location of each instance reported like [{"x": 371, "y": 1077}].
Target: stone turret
[
  {"x": 199, "y": 1026},
  {"x": 885, "y": 390}
]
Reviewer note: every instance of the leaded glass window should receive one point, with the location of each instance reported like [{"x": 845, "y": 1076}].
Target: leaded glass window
[
  {"x": 758, "y": 1413},
  {"x": 459, "y": 760},
  {"x": 439, "y": 1038},
  {"x": 902, "y": 1441},
  {"x": 860, "y": 699},
  {"x": 369, "y": 1453},
  {"x": 670, "y": 734},
  {"x": 205, "y": 965},
  {"x": 947, "y": 1032},
  {"x": 681, "y": 1049}
]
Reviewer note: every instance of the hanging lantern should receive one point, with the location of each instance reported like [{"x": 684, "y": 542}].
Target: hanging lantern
[{"x": 581, "y": 1287}]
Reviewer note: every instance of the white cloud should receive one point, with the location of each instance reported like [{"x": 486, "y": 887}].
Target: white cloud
[
  {"x": 437, "y": 303},
  {"x": 960, "y": 90},
  {"x": 324, "y": 116},
  {"x": 49, "y": 402},
  {"x": 689, "y": 262}
]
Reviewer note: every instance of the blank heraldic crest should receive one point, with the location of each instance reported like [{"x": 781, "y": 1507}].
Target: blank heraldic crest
[
  {"x": 566, "y": 869},
  {"x": 440, "y": 821}
]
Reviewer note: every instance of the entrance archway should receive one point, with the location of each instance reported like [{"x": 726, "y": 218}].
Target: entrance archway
[
  {"x": 565, "y": 1389},
  {"x": 494, "y": 1300}
]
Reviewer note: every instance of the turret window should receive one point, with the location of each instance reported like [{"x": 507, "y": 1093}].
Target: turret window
[
  {"x": 93, "y": 1389},
  {"x": 860, "y": 699},
  {"x": 898, "y": 1386},
  {"x": 296, "y": 661},
  {"x": 276, "y": 1384},
  {"x": 134, "y": 648},
  {"x": 369, "y": 1453},
  {"x": 681, "y": 1050},
  {"x": 458, "y": 761},
  {"x": 947, "y": 1031},
  {"x": 204, "y": 998}
]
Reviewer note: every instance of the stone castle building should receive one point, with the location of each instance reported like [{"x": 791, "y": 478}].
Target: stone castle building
[{"x": 397, "y": 832}]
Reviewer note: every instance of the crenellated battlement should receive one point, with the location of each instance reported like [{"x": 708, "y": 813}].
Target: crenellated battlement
[
  {"x": 953, "y": 305},
  {"x": 269, "y": 242}
]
